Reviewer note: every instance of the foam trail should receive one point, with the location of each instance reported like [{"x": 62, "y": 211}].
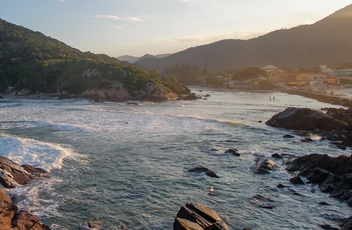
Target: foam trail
[{"x": 39, "y": 154}]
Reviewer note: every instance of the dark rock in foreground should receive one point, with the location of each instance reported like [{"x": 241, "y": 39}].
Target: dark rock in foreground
[
  {"x": 305, "y": 119},
  {"x": 332, "y": 174},
  {"x": 196, "y": 216},
  {"x": 11, "y": 219}
]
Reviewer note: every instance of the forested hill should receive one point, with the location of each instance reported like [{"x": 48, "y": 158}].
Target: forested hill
[
  {"x": 31, "y": 60},
  {"x": 325, "y": 42}
]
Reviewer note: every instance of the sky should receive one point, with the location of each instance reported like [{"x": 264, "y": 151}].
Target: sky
[{"x": 138, "y": 27}]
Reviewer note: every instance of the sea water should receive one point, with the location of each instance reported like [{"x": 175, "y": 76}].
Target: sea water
[{"x": 127, "y": 165}]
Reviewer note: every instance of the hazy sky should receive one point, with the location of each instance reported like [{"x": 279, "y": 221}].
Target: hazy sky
[{"x": 137, "y": 27}]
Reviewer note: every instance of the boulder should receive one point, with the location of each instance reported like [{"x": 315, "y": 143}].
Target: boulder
[
  {"x": 196, "y": 216},
  {"x": 233, "y": 151},
  {"x": 305, "y": 119},
  {"x": 24, "y": 220},
  {"x": 201, "y": 169},
  {"x": 288, "y": 136},
  {"x": 332, "y": 174},
  {"x": 7, "y": 212},
  {"x": 265, "y": 165},
  {"x": 12, "y": 174},
  {"x": 24, "y": 92}
]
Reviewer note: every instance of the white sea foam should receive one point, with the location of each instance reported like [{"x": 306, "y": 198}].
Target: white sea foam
[{"x": 40, "y": 154}]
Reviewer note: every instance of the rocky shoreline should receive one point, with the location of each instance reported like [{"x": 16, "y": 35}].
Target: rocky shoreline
[
  {"x": 331, "y": 174},
  {"x": 13, "y": 175}
]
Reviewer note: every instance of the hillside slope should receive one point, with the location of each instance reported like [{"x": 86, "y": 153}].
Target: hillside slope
[
  {"x": 326, "y": 42},
  {"x": 31, "y": 60}
]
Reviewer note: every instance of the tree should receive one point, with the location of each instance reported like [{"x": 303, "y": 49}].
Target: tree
[{"x": 249, "y": 72}]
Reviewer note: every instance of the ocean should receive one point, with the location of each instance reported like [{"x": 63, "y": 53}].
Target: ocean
[{"x": 126, "y": 164}]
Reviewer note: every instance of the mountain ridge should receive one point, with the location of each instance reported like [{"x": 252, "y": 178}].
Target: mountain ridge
[{"x": 325, "y": 42}]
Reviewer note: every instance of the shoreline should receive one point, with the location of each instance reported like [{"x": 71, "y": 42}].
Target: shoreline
[{"x": 331, "y": 99}]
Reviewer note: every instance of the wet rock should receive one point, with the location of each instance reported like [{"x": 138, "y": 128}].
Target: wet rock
[
  {"x": 306, "y": 139},
  {"x": 305, "y": 119},
  {"x": 332, "y": 174},
  {"x": 323, "y": 203},
  {"x": 262, "y": 201},
  {"x": 38, "y": 172},
  {"x": 288, "y": 136},
  {"x": 347, "y": 225},
  {"x": 201, "y": 169},
  {"x": 196, "y": 216},
  {"x": 96, "y": 225},
  {"x": 296, "y": 180},
  {"x": 233, "y": 151},
  {"x": 276, "y": 156},
  {"x": 327, "y": 227},
  {"x": 5, "y": 196},
  {"x": 24, "y": 220},
  {"x": 12, "y": 174},
  {"x": 191, "y": 96},
  {"x": 265, "y": 165},
  {"x": 7, "y": 212},
  {"x": 11, "y": 219}
]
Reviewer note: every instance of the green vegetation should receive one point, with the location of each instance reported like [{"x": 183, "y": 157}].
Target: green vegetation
[
  {"x": 32, "y": 60},
  {"x": 250, "y": 72},
  {"x": 185, "y": 73}
]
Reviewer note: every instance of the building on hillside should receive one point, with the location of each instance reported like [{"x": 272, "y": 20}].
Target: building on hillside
[
  {"x": 317, "y": 76},
  {"x": 324, "y": 69},
  {"x": 272, "y": 70},
  {"x": 342, "y": 73}
]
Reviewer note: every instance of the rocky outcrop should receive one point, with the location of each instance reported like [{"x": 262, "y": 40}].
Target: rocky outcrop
[
  {"x": 196, "y": 216},
  {"x": 332, "y": 174},
  {"x": 305, "y": 119},
  {"x": 152, "y": 92},
  {"x": 112, "y": 94},
  {"x": 155, "y": 93},
  {"x": 90, "y": 73},
  {"x": 13, "y": 175},
  {"x": 11, "y": 219},
  {"x": 24, "y": 92}
]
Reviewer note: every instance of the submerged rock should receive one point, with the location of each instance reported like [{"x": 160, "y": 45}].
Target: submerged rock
[
  {"x": 201, "y": 169},
  {"x": 262, "y": 201},
  {"x": 196, "y": 216},
  {"x": 233, "y": 151}
]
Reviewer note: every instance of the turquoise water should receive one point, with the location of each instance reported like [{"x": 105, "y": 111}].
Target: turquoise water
[{"x": 126, "y": 165}]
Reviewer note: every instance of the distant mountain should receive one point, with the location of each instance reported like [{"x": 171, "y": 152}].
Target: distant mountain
[
  {"x": 128, "y": 58},
  {"x": 132, "y": 59},
  {"x": 31, "y": 60},
  {"x": 328, "y": 41}
]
